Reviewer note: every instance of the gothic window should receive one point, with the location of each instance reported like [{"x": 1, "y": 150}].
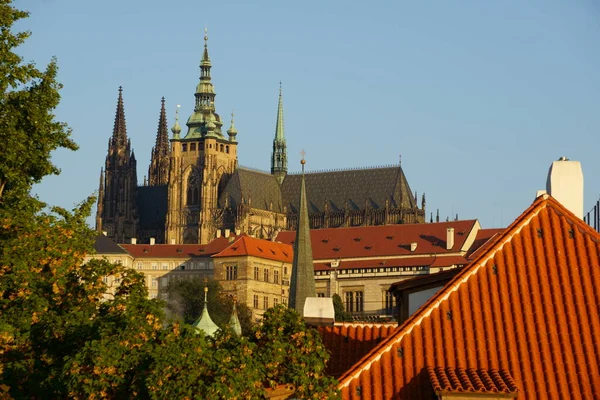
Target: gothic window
[
  {"x": 193, "y": 189},
  {"x": 389, "y": 302}
]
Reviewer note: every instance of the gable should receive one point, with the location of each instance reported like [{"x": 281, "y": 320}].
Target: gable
[{"x": 527, "y": 305}]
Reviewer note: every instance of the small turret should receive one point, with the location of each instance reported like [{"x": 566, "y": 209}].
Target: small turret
[
  {"x": 205, "y": 323},
  {"x": 234, "y": 321},
  {"x": 232, "y": 132},
  {"x": 176, "y": 129}
]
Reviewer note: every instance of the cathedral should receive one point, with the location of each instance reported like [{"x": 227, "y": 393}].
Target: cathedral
[{"x": 195, "y": 189}]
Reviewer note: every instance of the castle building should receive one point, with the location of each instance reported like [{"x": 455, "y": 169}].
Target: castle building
[{"x": 195, "y": 187}]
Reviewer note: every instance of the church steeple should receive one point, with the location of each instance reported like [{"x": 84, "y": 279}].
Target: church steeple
[
  {"x": 204, "y": 122},
  {"x": 205, "y": 323},
  {"x": 279, "y": 155},
  {"x": 158, "y": 172},
  {"x": 303, "y": 273},
  {"x": 120, "y": 130}
]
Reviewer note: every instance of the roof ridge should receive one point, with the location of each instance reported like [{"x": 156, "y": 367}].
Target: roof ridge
[
  {"x": 539, "y": 204},
  {"x": 326, "y": 170},
  {"x": 252, "y": 169}
]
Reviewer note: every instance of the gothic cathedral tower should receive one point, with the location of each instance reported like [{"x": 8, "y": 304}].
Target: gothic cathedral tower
[
  {"x": 117, "y": 211},
  {"x": 200, "y": 165},
  {"x": 158, "y": 173}
]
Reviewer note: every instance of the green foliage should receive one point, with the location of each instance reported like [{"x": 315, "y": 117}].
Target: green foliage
[
  {"x": 340, "y": 313},
  {"x": 293, "y": 353},
  {"x": 28, "y": 131},
  {"x": 186, "y": 299}
]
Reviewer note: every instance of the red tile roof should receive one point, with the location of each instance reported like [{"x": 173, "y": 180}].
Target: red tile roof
[
  {"x": 527, "y": 305},
  {"x": 460, "y": 380},
  {"x": 349, "y": 342},
  {"x": 427, "y": 261},
  {"x": 177, "y": 250},
  {"x": 383, "y": 240},
  {"x": 249, "y": 246},
  {"x": 483, "y": 239}
]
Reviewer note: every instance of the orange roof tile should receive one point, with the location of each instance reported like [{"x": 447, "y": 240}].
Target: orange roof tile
[
  {"x": 527, "y": 305},
  {"x": 459, "y": 380},
  {"x": 349, "y": 342},
  {"x": 176, "y": 250},
  {"x": 249, "y": 246},
  {"x": 383, "y": 240}
]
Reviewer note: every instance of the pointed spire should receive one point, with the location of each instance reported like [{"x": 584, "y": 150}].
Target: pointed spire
[
  {"x": 176, "y": 129},
  {"x": 303, "y": 274},
  {"x": 162, "y": 135},
  {"x": 279, "y": 134},
  {"x": 205, "y": 323},
  {"x": 120, "y": 130},
  {"x": 234, "y": 321},
  {"x": 101, "y": 186},
  {"x": 279, "y": 155},
  {"x": 205, "y": 58},
  {"x": 159, "y": 158}
]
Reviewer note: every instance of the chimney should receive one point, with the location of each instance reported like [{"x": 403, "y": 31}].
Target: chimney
[
  {"x": 172, "y": 240},
  {"x": 449, "y": 238},
  {"x": 413, "y": 246},
  {"x": 218, "y": 233},
  {"x": 227, "y": 232},
  {"x": 152, "y": 241},
  {"x": 565, "y": 184},
  {"x": 238, "y": 232},
  {"x": 133, "y": 241}
]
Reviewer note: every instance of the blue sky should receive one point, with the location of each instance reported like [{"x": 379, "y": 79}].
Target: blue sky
[{"x": 479, "y": 97}]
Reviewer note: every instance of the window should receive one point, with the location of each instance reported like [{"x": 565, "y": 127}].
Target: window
[
  {"x": 285, "y": 271},
  {"x": 165, "y": 266},
  {"x": 320, "y": 294},
  {"x": 284, "y": 301},
  {"x": 193, "y": 188},
  {"x": 275, "y": 276},
  {"x": 231, "y": 272},
  {"x": 221, "y": 148},
  {"x": 389, "y": 304},
  {"x": 192, "y": 146},
  {"x": 105, "y": 280},
  {"x": 266, "y": 275},
  {"x": 275, "y": 301},
  {"x": 266, "y": 302},
  {"x": 256, "y": 273},
  {"x": 354, "y": 301},
  {"x": 227, "y": 149},
  {"x": 140, "y": 265},
  {"x": 154, "y": 282},
  {"x": 255, "y": 301},
  {"x": 154, "y": 266},
  {"x": 184, "y": 147}
]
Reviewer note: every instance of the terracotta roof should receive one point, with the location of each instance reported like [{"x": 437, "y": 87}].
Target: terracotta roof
[
  {"x": 249, "y": 246},
  {"x": 427, "y": 261},
  {"x": 349, "y": 342},
  {"x": 177, "y": 250},
  {"x": 384, "y": 240},
  {"x": 527, "y": 305},
  {"x": 460, "y": 380},
  {"x": 483, "y": 239}
]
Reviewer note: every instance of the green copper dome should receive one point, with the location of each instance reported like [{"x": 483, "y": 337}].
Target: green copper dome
[{"x": 205, "y": 323}]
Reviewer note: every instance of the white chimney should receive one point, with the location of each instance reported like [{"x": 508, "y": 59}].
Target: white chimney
[
  {"x": 152, "y": 241},
  {"x": 413, "y": 246},
  {"x": 218, "y": 233},
  {"x": 227, "y": 232},
  {"x": 133, "y": 241},
  {"x": 238, "y": 232},
  {"x": 449, "y": 238},
  {"x": 565, "y": 184},
  {"x": 172, "y": 240}
]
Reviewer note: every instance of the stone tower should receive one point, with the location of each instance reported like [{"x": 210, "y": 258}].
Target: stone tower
[
  {"x": 302, "y": 283},
  {"x": 279, "y": 155},
  {"x": 158, "y": 173},
  {"x": 200, "y": 165},
  {"x": 117, "y": 211}
]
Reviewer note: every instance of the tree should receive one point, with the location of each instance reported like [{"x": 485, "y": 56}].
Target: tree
[
  {"x": 340, "y": 313},
  {"x": 28, "y": 131},
  {"x": 186, "y": 299},
  {"x": 293, "y": 353}
]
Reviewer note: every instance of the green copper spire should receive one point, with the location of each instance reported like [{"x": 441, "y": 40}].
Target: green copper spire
[
  {"x": 204, "y": 109},
  {"x": 205, "y": 323},
  {"x": 303, "y": 273},
  {"x": 234, "y": 321},
  {"x": 279, "y": 155},
  {"x": 232, "y": 132},
  {"x": 176, "y": 129}
]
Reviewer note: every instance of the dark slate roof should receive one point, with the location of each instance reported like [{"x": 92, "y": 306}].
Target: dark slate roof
[
  {"x": 261, "y": 188},
  {"x": 105, "y": 245},
  {"x": 356, "y": 187},
  {"x": 152, "y": 206}
]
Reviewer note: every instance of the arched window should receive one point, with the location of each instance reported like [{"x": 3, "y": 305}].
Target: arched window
[{"x": 193, "y": 189}]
